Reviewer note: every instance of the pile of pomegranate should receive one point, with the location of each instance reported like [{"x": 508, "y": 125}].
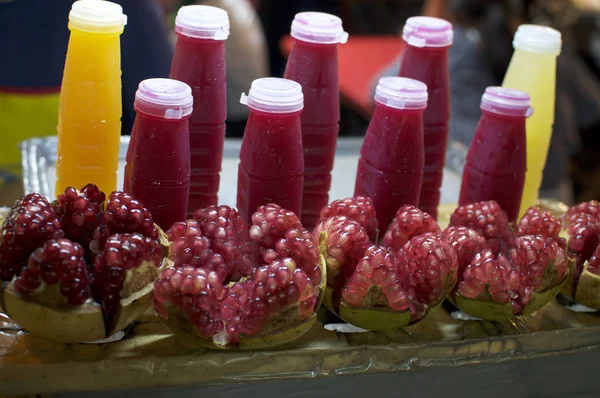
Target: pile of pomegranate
[
  {"x": 582, "y": 226},
  {"x": 232, "y": 285},
  {"x": 505, "y": 271},
  {"x": 80, "y": 268},
  {"x": 383, "y": 286}
]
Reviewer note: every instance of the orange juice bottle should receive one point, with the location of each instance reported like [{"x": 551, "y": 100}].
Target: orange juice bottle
[{"x": 89, "y": 118}]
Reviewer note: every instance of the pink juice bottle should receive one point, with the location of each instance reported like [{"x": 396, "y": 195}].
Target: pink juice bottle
[
  {"x": 199, "y": 61},
  {"x": 497, "y": 158},
  {"x": 271, "y": 159},
  {"x": 313, "y": 62},
  {"x": 157, "y": 171},
  {"x": 390, "y": 168},
  {"x": 425, "y": 58}
]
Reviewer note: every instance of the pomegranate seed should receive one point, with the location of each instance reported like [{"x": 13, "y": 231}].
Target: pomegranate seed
[
  {"x": 59, "y": 261},
  {"x": 409, "y": 222},
  {"x": 29, "y": 223},
  {"x": 358, "y": 208}
]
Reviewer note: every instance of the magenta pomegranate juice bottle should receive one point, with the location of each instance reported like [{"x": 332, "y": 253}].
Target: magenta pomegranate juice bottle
[
  {"x": 497, "y": 158},
  {"x": 199, "y": 61},
  {"x": 157, "y": 171},
  {"x": 425, "y": 58},
  {"x": 313, "y": 62},
  {"x": 390, "y": 168},
  {"x": 271, "y": 158}
]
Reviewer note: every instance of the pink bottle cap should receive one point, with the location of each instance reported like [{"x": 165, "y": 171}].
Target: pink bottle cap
[
  {"x": 401, "y": 93},
  {"x": 202, "y": 22},
  {"x": 506, "y": 101},
  {"x": 274, "y": 95},
  {"x": 319, "y": 28},
  {"x": 166, "y": 98},
  {"x": 427, "y": 32}
]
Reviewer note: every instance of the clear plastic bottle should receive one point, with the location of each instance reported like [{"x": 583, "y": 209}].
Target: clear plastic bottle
[
  {"x": 271, "y": 168},
  {"x": 157, "y": 171},
  {"x": 313, "y": 62},
  {"x": 533, "y": 69},
  {"x": 90, "y": 107},
  {"x": 390, "y": 168},
  {"x": 425, "y": 58},
  {"x": 199, "y": 61}
]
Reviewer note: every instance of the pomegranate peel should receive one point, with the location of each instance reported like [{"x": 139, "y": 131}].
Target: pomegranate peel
[
  {"x": 375, "y": 320},
  {"x": 63, "y": 323}
]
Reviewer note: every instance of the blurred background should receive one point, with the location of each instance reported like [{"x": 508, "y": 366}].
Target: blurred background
[{"x": 34, "y": 36}]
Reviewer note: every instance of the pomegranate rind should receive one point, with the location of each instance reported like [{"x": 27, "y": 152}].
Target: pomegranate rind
[
  {"x": 487, "y": 310},
  {"x": 374, "y": 319},
  {"x": 587, "y": 291},
  {"x": 137, "y": 302},
  {"x": 62, "y": 323},
  {"x": 541, "y": 299},
  {"x": 178, "y": 323}
]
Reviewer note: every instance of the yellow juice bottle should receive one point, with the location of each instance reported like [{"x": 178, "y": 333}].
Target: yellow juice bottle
[
  {"x": 89, "y": 118},
  {"x": 533, "y": 69}
]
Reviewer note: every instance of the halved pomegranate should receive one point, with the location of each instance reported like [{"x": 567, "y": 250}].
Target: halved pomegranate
[
  {"x": 503, "y": 272},
  {"x": 56, "y": 286},
  {"x": 234, "y": 286},
  {"x": 581, "y": 224},
  {"x": 379, "y": 287}
]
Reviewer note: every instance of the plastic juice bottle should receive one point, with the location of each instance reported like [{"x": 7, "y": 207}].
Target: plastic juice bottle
[
  {"x": 313, "y": 62},
  {"x": 533, "y": 69},
  {"x": 157, "y": 171},
  {"x": 271, "y": 158},
  {"x": 89, "y": 118},
  {"x": 497, "y": 158},
  {"x": 199, "y": 61},
  {"x": 390, "y": 168},
  {"x": 425, "y": 58}
]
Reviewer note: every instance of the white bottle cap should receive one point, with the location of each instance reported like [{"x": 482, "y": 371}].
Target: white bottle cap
[
  {"x": 97, "y": 16},
  {"x": 427, "y": 32},
  {"x": 319, "y": 28},
  {"x": 506, "y": 101},
  {"x": 274, "y": 95},
  {"x": 401, "y": 93},
  {"x": 202, "y": 22},
  {"x": 538, "y": 39},
  {"x": 165, "y": 98}
]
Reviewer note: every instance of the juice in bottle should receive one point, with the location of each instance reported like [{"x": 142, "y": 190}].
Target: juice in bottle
[
  {"x": 533, "y": 69},
  {"x": 390, "y": 167},
  {"x": 425, "y": 58},
  {"x": 157, "y": 171},
  {"x": 271, "y": 158},
  {"x": 89, "y": 118},
  {"x": 497, "y": 160},
  {"x": 199, "y": 61},
  {"x": 313, "y": 62}
]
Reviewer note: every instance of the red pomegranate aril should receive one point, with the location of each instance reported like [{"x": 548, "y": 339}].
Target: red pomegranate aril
[
  {"x": 58, "y": 261},
  {"x": 487, "y": 218},
  {"x": 430, "y": 265},
  {"x": 542, "y": 260},
  {"x": 541, "y": 222},
  {"x": 594, "y": 262},
  {"x": 80, "y": 212},
  {"x": 409, "y": 222},
  {"x": 466, "y": 242},
  {"x": 482, "y": 278},
  {"x": 121, "y": 253},
  {"x": 123, "y": 214},
  {"x": 30, "y": 222},
  {"x": 358, "y": 208}
]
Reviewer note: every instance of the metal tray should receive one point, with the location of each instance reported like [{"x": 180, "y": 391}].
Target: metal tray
[{"x": 38, "y": 156}]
